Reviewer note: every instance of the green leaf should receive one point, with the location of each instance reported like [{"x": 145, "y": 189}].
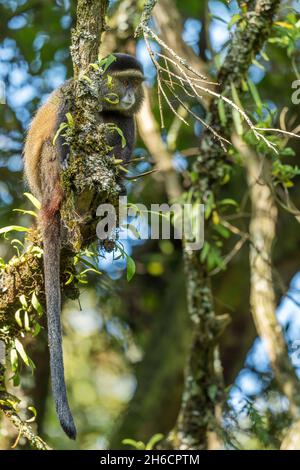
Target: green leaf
[
  {"x": 62, "y": 126},
  {"x": 130, "y": 268},
  {"x": 217, "y": 17},
  {"x": 18, "y": 317},
  {"x": 153, "y": 441},
  {"x": 117, "y": 161},
  {"x": 237, "y": 122},
  {"x": 245, "y": 87},
  {"x": 235, "y": 96},
  {"x": 234, "y": 19},
  {"x": 91, "y": 270},
  {"x": 221, "y": 111},
  {"x": 33, "y": 200},
  {"x": 31, "y": 364},
  {"x": 70, "y": 120},
  {"x": 215, "y": 218},
  {"x": 223, "y": 231},
  {"x": 95, "y": 66},
  {"x": 36, "y": 304},
  {"x": 120, "y": 132},
  {"x": 26, "y": 321},
  {"x": 70, "y": 279},
  {"x": 133, "y": 230},
  {"x": 139, "y": 445},
  {"x": 105, "y": 63},
  {"x": 288, "y": 152},
  {"x": 228, "y": 202},
  {"x": 283, "y": 24},
  {"x": 16, "y": 379},
  {"x": 112, "y": 98},
  {"x": 23, "y": 301},
  {"x": 214, "y": 258},
  {"x": 86, "y": 78},
  {"x": 212, "y": 392},
  {"x": 265, "y": 56},
  {"x": 109, "y": 81},
  {"x": 255, "y": 94},
  {"x": 15, "y": 241},
  {"x": 258, "y": 65},
  {"x": 36, "y": 329},
  {"x": 21, "y": 351},
  {"x": 14, "y": 361},
  {"x": 209, "y": 205},
  {"x": 36, "y": 251},
  {"x": 32, "y": 419},
  {"x": 22, "y": 211},
  {"x": 204, "y": 252},
  {"x": 87, "y": 263},
  {"x": 13, "y": 228}
]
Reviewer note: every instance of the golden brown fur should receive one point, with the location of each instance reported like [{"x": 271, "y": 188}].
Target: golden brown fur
[{"x": 39, "y": 151}]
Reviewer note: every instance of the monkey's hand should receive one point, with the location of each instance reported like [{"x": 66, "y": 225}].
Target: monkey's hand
[
  {"x": 65, "y": 155},
  {"x": 65, "y": 163}
]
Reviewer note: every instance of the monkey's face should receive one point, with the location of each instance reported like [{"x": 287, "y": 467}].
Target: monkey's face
[{"x": 123, "y": 92}]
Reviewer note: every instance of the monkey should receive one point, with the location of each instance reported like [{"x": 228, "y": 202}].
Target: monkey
[{"x": 44, "y": 160}]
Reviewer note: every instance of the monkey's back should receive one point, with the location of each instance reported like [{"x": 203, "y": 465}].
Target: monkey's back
[{"x": 39, "y": 144}]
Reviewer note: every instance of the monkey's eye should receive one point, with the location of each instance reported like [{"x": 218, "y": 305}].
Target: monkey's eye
[{"x": 125, "y": 83}]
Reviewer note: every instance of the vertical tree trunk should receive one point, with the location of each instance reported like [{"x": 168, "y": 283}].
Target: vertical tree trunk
[
  {"x": 87, "y": 34},
  {"x": 262, "y": 294},
  {"x": 198, "y": 422}
]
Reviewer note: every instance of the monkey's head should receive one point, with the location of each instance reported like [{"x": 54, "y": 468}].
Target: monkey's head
[{"x": 122, "y": 89}]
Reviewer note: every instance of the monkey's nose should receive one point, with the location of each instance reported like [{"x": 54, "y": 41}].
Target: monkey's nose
[{"x": 128, "y": 100}]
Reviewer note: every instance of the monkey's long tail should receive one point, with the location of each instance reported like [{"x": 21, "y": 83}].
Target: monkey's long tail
[{"x": 51, "y": 239}]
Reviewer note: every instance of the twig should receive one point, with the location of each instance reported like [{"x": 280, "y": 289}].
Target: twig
[
  {"x": 25, "y": 430},
  {"x": 146, "y": 15},
  {"x": 180, "y": 60},
  {"x": 194, "y": 84}
]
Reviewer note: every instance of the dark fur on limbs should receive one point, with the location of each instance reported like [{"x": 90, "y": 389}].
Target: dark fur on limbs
[{"x": 50, "y": 221}]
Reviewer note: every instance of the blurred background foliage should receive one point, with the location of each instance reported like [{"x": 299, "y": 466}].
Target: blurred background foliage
[{"x": 126, "y": 346}]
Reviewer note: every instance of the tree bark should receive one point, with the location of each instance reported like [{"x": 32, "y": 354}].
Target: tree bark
[{"x": 262, "y": 295}]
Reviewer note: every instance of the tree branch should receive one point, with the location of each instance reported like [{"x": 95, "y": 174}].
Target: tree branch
[
  {"x": 166, "y": 15},
  {"x": 204, "y": 391}
]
